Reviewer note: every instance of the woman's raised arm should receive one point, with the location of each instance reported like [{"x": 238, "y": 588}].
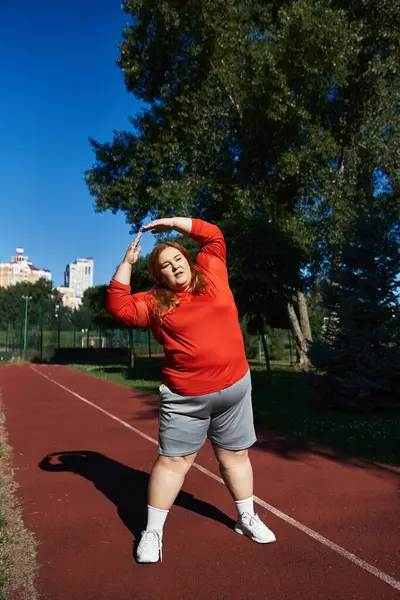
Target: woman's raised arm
[{"x": 180, "y": 224}]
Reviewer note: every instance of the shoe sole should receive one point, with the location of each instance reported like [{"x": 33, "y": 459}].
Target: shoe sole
[
  {"x": 147, "y": 562},
  {"x": 254, "y": 539}
]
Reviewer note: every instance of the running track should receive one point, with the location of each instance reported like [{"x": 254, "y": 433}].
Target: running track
[{"x": 336, "y": 519}]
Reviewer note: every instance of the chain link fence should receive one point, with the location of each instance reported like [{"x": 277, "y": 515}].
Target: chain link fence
[{"x": 37, "y": 341}]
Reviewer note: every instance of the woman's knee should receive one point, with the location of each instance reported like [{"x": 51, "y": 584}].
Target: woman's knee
[
  {"x": 176, "y": 463},
  {"x": 231, "y": 457}
]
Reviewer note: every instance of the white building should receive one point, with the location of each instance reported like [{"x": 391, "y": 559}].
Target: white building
[
  {"x": 79, "y": 275},
  {"x": 19, "y": 269},
  {"x": 69, "y": 298}
]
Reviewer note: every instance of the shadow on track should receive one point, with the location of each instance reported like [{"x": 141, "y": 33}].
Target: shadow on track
[{"x": 124, "y": 486}]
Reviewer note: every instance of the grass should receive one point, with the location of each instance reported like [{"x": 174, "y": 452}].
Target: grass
[
  {"x": 17, "y": 545},
  {"x": 288, "y": 408},
  {"x": 145, "y": 376}
]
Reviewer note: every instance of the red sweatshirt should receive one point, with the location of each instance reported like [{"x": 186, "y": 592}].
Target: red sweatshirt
[{"x": 202, "y": 339}]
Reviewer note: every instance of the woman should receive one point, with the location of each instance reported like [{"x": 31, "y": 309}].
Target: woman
[{"x": 206, "y": 386}]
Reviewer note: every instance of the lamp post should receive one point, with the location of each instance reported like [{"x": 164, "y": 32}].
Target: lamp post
[
  {"x": 58, "y": 317},
  {"x": 26, "y": 298}
]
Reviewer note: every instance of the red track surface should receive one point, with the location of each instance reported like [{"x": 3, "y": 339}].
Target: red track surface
[{"x": 87, "y": 505}]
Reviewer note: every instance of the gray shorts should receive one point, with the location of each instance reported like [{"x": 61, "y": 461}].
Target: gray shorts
[{"x": 226, "y": 417}]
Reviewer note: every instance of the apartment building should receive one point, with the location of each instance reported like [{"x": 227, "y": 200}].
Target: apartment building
[
  {"x": 79, "y": 275},
  {"x": 20, "y": 268}
]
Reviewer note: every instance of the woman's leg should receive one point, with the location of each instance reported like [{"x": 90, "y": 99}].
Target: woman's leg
[
  {"x": 236, "y": 471},
  {"x": 232, "y": 426},
  {"x": 166, "y": 479}
]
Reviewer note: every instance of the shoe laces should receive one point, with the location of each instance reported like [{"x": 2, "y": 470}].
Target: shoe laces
[
  {"x": 254, "y": 520},
  {"x": 151, "y": 537}
]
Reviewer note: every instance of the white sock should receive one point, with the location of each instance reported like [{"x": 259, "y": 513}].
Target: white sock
[
  {"x": 245, "y": 506},
  {"x": 156, "y": 518}
]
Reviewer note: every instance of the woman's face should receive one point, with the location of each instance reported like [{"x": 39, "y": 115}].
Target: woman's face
[{"x": 174, "y": 269}]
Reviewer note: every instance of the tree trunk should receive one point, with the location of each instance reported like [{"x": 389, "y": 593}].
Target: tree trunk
[
  {"x": 304, "y": 320},
  {"x": 301, "y": 342},
  {"x": 131, "y": 349},
  {"x": 265, "y": 348},
  {"x": 290, "y": 346}
]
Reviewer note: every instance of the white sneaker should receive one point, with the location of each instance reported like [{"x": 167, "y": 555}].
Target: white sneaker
[
  {"x": 254, "y": 528},
  {"x": 150, "y": 547}
]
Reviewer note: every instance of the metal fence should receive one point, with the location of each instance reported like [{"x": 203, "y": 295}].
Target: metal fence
[{"x": 41, "y": 342}]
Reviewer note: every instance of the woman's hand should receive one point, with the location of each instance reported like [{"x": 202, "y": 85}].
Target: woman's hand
[
  {"x": 132, "y": 254},
  {"x": 159, "y": 226}
]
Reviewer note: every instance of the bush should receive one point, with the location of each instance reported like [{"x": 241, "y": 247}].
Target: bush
[
  {"x": 251, "y": 345},
  {"x": 276, "y": 344},
  {"x": 360, "y": 356}
]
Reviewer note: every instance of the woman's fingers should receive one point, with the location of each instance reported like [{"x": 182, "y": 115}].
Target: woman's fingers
[
  {"x": 151, "y": 225},
  {"x": 136, "y": 241},
  {"x": 132, "y": 254},
  {"x": 159, "y": 228},
  {"x": 158, "y": 224},
  {"x": 135, "y": 255},
  {"x": 148, "y": 226}
]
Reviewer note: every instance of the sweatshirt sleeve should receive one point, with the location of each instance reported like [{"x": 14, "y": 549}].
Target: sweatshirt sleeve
[
  {"x": 210, "y": 237},
  {"x": 212, "y": 256},
  {"x": 127, "y": 308}
]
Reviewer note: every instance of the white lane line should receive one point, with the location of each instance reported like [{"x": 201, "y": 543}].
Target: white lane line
[
  {"x": 310, "y": 532},
  {"x": 143, "y": 435}
]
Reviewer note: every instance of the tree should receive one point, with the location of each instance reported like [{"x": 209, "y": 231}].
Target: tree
[
  {"x": 235, "y": 117},
  {"x": 94, "y": 303},
  {"x": 140, "y": 280},
  {"x": 261, "y": 274},
  {"x": 94, "y": 310},
  {"x": 277, "y": 343},
  {"x": 316, "y": 313},
  {"x": 42, "y": 305},
  {"x": 280, "y": 110},
  {"x": 82, "y": 317},
  {"x": 361, "y": 355}
]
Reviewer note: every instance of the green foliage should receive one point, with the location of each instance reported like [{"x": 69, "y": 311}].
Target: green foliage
[
  {"x": 289, "y": 107},
  {"x": 277, "y": 340},
  {"x": 251, "y": 345},
  {"x": 264, "y": 268},
  {"x": 94, "y": 308},
  {"x": 82, "y": 318},
  {"x": 44, "y": 301},
  {"x": 229, "y": 119},
  {"x": 140, "y": 281},
  {"x": 361, "y": 356},
  {"x": 316, "y": 314}
]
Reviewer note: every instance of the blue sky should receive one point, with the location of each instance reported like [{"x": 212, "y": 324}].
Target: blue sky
[{"x": 60, "y": 86}]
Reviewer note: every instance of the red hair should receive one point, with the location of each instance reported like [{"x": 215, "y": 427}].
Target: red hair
[{"x": 164, "y": 297}]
